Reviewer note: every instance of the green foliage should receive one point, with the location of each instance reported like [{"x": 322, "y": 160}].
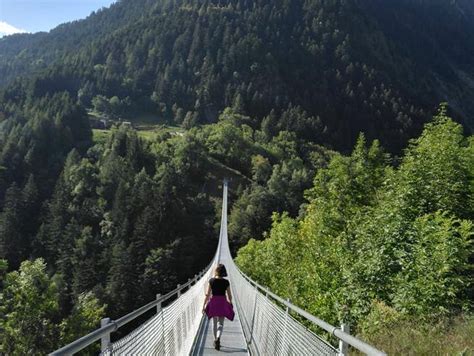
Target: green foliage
[
  {"x": 401, "y": 334},
  {"x": 3, "y": 271},
  {"x": 249, "y": 216},
  {"x": 381, "y": 317},
  {"x": 437, "y": 269},
  {"x": 436, "y": 168},
  {"x": 378, "y": 244},
  {"x": 230, "y": 144},
  {"x": 12, "y": 243},
  {"x": 127, "y": 218},
  {"x": 84, "y": 317},
  {"x": 261, "y": 169},
  {"x": 29, "y": 311},
  {"x": 120, "y": 217},
  {"x": 101, "y": 221},
  {"x": 335, "y": 67},
  {"x": 113, "y": 107},
  {"x": 160, "y": 275},
  {"x": 121, "y": 280},
  {"x": 275, "y": 254},
  {"x": 86, "y": 261},
  {"x": 439, "y": 159}
]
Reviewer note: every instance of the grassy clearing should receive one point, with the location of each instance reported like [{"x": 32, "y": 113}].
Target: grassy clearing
[
  {"x": 100, "y": 136},
  {"x": 145, "y": 119},
  {"x": 145, "y": 132},
  {"x": 410, "y": 337},
  {"x": 146, "y": 125}
]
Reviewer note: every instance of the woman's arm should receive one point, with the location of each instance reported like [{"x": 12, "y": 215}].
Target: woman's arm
[
  {"x": 229, "y": 295},
  {"x": 206, "y": 299}
]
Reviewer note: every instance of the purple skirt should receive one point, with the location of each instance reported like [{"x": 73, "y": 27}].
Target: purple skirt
[{"x": 219, "y": 306}]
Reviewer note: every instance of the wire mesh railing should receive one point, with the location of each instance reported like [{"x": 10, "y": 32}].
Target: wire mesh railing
[
  {"x": 267, "y": 322},
  {"x": 170, "y": 331},
  {"x": 270, "y": 329}
]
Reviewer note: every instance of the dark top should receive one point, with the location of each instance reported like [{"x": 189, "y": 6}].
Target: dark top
[{"x": 219, "y": 285}]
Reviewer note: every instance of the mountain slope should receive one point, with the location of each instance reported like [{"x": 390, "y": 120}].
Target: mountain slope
[
  {"x": 436, "y": 38},
  {"x": 357, "y": 65}
]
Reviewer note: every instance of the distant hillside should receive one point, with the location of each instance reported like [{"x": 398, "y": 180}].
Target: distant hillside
[
  {"x": 266, "y": 94},
  {"x": 358, "y": 65}
]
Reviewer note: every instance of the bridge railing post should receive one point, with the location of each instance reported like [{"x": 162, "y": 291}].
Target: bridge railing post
[
  {"x": 344, "y": 346},
  {"x": 178, "y": 287},
  {"x": 163, "y": 337},
  {"x": 158, "y": 305},
  {"x": 284, "y": 344},
  {"x": 105, "y": 340},
  {"x": 251, "y": 336},
  {"x": 185, "y": 318},
  {"x": 266, "y": 325}
]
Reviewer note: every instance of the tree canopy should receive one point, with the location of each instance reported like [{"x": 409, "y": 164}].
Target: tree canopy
[{"x": 377, "y": 236}]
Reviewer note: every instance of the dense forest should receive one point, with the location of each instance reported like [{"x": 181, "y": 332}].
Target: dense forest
[
  {"x": 319, "y": 112},
  {"x": 115, "y": 221},
  {"x": 387, "y": 248},
  {"x": 353, "y": 65}
]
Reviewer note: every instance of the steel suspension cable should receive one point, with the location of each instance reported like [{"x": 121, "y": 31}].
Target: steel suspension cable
[{"x": 269, "y": 329}]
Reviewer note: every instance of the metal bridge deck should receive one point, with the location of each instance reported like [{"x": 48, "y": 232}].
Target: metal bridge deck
[{"x": 232, "y": 339}]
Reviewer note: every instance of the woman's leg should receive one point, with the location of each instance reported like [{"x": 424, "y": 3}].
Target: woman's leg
[
  {"x": 220, "y": 326},
  {"x": 214, "y": 327}
]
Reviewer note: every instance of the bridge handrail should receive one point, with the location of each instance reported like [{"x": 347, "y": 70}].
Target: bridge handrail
[
  {"x": 333, "y": 330},
  {"x": 97, "y": 334},
  {"x": 190, "y": 309}
]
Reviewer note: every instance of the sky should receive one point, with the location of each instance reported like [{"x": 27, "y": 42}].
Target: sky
[{"x": 43, "y": 15}]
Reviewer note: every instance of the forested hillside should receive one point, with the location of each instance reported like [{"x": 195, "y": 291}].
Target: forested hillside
[
  {"x": 388, "y": 250},
  {"x": 274, "y": 95},
  {"x": 104, "y": 226},
  {"x": 354, "y": 65}
]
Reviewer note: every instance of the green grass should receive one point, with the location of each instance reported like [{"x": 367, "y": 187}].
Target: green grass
[
  {"x": 147, "y": 134},
  {"x": 145, "y": 119},
  {"x": 100, "y": 136},
  {"x": 146, "y": 126},
  {"x": 410, "y": 337}
]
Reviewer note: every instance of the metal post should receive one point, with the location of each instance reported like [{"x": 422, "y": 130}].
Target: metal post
[
  {"x": 163, "y": 336},
  {"x": 179, "y": 290},
  {"x": 343, "y": 346},
  {"x": 284, "y": 343},
  {"x": 105, "y": 340},
  {"x": 267, "y": 329},
  {"x": 158, "y": 305},
  {"x": 253, "y": 316},
  {"x": 184, "y": 322}
]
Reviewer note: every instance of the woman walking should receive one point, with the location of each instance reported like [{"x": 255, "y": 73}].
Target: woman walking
[{"x": 220, "y": 303}]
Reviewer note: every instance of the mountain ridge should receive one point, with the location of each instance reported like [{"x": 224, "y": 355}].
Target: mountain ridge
[{"x": 357, "y": 65}]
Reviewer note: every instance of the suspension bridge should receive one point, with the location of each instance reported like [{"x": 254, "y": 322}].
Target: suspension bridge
[{"x": 264, "y": 323}]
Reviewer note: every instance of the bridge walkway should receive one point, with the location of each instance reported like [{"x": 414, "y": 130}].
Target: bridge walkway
[{"x": 232, "y": 339}]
